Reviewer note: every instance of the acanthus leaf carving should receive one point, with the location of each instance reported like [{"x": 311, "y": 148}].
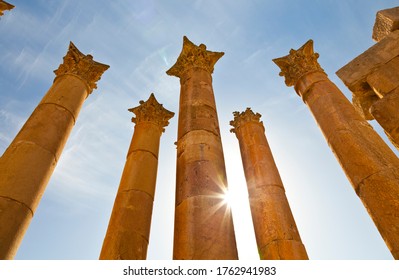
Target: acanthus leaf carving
[
  {"x": 298, "y": 63},
  {"x": 83, "y": 66},
  {"x": 242, "y": 118},
  {"x": 194, "y": 56},
  {"x": 151, "y": 111}
]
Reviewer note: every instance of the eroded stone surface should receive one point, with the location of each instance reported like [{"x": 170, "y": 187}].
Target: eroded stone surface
[
  {"x": 194, "y": 56},
  {"x": 354, "y": 74},
  {"x": 386, "y": 22},
  {"x": 385, "y": 78},
  {"x": 202, "y": 231},
  {"x": 298, "y": 63},
  {"x": 271, "y": 213},
  {"x": 28, "y": 163},
  {"x": 82, "y": 66},
  {"x": 374, "y": 74},
  {"x": 361, "y": 152},
  {"x": 362, "y": 101},
  {"x": 128, "y": 230},
  {"x": 385, "y": 111}
]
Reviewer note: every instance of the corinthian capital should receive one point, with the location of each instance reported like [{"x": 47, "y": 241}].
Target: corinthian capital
[
  {"x": 83, "y": 66},
  {"x": 152, "y": 111},
  {"x": 4, "y": 6},
  {"x": 242, "y": 118},
  {"x": 298, "y": 63},
  {"x": 194, "y": 56}
]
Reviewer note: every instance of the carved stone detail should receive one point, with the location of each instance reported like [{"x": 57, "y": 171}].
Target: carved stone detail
[
  {"x": 4, "y": 6},
  {"x": 152, "y": 111},
  {"x": 194, "y": 56},
  {"x": 83, "y": 66},
  {"x": 298, "y": 63},
  {"x": 241, "y": 118},
  {"x": 386, "y": 22}
]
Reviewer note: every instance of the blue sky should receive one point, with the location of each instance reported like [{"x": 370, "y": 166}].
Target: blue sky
[{"x": 142, "y": 39}]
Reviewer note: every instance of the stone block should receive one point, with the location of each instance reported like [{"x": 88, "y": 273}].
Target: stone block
[
  {"x": 199, "y": 145},
  {"x": 200, "y": 178},
  {"x": 354, "y": 73},
  {"x": 198, "y": 91},
  {"x": 132, "y": 213},
  {"x": 379, "y": 193},
  {"x": 284, "y": 250},
  {"x": 362, "y": 101},
  {"x": 386, "y": 112},
  {"x": 259, "y": 167},
  {"x": 69, "y": 92},
  {"x": 333, "y": 110},
  {"x": 25, "y": 169},
  {"x": 197, "y": 117},
  {"x": 146, "y": 137},
  {"x": 271, "y": 215},
  {"x": 385, "y": 78},
  {"x": 126, "y": 245},
  {"x": 140, "y": 173},
  {"x": 48, "y": 127},
  {"x": 14, "y": 220},
  {"x": 386, "y": 22},
  {"x": 204, "y": 230},
  {"x": 252, "y": 133}
]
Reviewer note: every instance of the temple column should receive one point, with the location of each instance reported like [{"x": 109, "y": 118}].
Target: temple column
[
  {"x": 203, "y": 222},
  {"x": 4, "y": 6},
  {"x": 370, "y": 165},
  {"x": 276, "y": 233},
  {"x": 373, "y": 76},
  {"x": 129, "y": 226},
  {"x": 27, "y": 164}
]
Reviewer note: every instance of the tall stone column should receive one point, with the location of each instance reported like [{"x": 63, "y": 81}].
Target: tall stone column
[
  {"x": 276, "y": 233},
  {"x": 370, "y": 165},
  {"x": 129, "y": 227},
  {"x": 27, "y": 164},
  {"x": 373, "y": 76},
  {"x": 4, "y": 6},
  {"x": 203, "y": 223}
]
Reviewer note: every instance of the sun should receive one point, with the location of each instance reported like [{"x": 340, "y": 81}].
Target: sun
[{"x": 230, "y": 197}]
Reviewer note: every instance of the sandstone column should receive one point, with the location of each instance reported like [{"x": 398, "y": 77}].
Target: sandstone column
[
  {"x": 203, "y": 223},
  {"x": 373, "y": 76},
  {"x": 129, "y": 227},
  {"x": 276, "y": 233},
  {"x": 4, "y": 6},
  {"x": 370, "y": 165},
  {"x": 29, "y": 161}
]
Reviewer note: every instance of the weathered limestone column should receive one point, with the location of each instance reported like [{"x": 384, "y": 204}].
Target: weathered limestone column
[
  {"x": 4, "y": 6},
  {"x": 370, "y": 165},
  {"x": 373, "y": 76},
  {"x": 276, "y": 233},
  {"x": 203, "y": 223},
  {"x": 129, "y": 227},
  {"x": 27, "y": 164}
]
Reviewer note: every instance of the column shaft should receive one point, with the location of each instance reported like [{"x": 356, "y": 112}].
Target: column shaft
[
  {"x": 203, "y": 223},
  {"x": 27, "y": 164},
  {"x": 276, "y": 233},
  {"x": 128, "y": 231},
  {"x": 370, "y": 165}
]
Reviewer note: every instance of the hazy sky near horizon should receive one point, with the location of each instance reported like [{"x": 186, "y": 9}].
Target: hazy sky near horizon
[{"x": 142, "y": 39}]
